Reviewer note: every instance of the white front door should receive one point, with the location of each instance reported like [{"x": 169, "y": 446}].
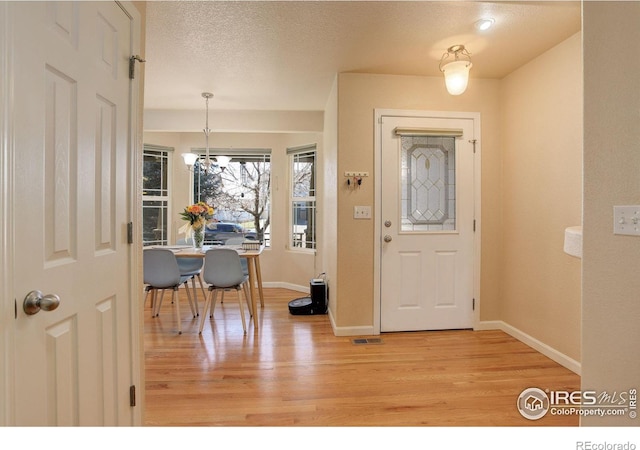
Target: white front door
[
  {"x": 70, "y": 204},
  {"x": 427, "y": 229}
]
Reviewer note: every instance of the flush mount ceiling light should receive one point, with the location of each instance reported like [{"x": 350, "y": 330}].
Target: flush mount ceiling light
[
  {"x": 456, "y": 71},
  {"x": 192, "y": 159},
  {"x": 484, "y": 24}
]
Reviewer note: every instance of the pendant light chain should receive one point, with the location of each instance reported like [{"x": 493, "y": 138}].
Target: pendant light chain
[{"x": 207, "y": 131}]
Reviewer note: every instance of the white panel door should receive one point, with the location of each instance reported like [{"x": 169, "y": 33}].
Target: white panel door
[
  {"x": 427, "y": 213},
  {"x": 71, "y": 113}
]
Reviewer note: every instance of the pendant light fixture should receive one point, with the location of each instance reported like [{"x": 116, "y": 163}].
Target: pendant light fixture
[
  {"x": 456, "y": 71},
  {"x": 190, "y": 159},
  {"x": 207, "y": 131}
]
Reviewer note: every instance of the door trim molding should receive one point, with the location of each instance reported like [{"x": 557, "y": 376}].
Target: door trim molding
[
  {"x": 6, "y": 208},
  {"x": 135, "y": 214},
  {"x": 378, "y": 116}
]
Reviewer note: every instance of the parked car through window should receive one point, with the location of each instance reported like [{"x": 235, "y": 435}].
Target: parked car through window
[{"x": 218, "y": 232}]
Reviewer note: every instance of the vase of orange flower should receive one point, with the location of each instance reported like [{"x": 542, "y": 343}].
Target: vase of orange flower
[
  {"x": 196, "y": 216},
  {"x": 198, "y": 236}
]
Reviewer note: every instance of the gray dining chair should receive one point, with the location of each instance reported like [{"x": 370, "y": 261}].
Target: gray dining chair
[
  {"x": 161, "y": 272},
  {"x": 192, "y": 267},
  {"x": 223, "y": 272},
  {"x": 243, "y": 262}
]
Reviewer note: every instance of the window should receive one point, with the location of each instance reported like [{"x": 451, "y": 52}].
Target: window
[
  {"x": 240, "y": 193},
  {"x": 155, "y": 195},
  {"x": 303, "y": 197},
  {"x": 428, "y": 183}
]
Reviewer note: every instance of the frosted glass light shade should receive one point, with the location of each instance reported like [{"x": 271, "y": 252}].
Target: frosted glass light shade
[
  {"x": 223, "y": 161},
  {"x": 189, "y": 158},
  {"x": 456, "y": 76}
]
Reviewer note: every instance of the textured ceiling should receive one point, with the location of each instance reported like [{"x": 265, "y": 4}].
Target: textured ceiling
[{"x": 271, "y": 55}]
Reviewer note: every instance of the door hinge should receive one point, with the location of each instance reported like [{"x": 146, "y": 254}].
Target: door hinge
[
  {"x": 130, "y": 233},
  {"x": 132, "y": 65},
  {"x": 132, "y": 395},
  {"x": 473, "y": 304},
  {"x": 474, "y": 225},
  {"x": 15, "y": 308}
]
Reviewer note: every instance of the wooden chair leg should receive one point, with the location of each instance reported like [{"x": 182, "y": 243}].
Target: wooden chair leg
[
  {"x": 158, "y": 303},
  {"x": 195, "y": 295},
  {"x": 247, "y": 297},
  {"x": 207, "y": 302},
  {"x": 256, "y": 262},
  {"x": 176, "y": 300},
  {"x": 213, "y": 302},
  {"x": 204, "y": 295},
  {"x": 150, "y": 291},
  {"x": 244, "y": 324},
  {"x": 186, "y": 286}
]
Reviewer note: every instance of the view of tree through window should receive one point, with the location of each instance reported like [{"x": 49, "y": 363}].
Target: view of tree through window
[
  {"x": 303, "y": 197},
  {"x": 241, "y": 193},
  {"x": 155, "y": 195}
]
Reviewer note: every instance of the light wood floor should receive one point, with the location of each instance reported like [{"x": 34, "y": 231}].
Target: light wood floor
[{"x": 295, "y": 372}]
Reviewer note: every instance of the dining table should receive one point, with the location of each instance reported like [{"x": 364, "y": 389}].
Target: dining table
[{"x": 253, "y": 264}]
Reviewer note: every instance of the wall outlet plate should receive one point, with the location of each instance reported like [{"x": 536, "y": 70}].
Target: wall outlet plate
[{"x": 626, "y": 220}]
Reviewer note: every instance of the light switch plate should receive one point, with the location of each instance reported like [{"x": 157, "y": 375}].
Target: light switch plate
[
  {"x": 626, "y": 220},
  {"x": 362, "y": 212}
]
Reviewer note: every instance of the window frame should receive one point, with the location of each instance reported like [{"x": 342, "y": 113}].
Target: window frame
[
  {"x": 265, "y": 154},
  {"x": 294, "y": 154},
  {"x": 167, "y": 154}
]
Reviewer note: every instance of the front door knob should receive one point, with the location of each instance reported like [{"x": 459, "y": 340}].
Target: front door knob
[
  {"x": 35, "y": 301},
  {"x": 387, "y": 238}
]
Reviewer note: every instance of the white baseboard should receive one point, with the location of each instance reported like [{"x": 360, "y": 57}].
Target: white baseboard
[
  {"x": 284, "y": 285},
  {"x": 489, "y": 325},
  {"x": 269, "y": 284},
  {"x": 353, "y": 331},
  {"x": 532, "y": 342},
  {"x": 350, "y": 331}
]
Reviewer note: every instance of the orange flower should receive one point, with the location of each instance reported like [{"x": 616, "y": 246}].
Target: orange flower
[{"x": 197, "y": 213}]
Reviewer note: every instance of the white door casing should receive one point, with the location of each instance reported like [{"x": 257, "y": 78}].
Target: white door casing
[
  {"x": 71, "y": 198},
  {"x": 427, "y": 272}
]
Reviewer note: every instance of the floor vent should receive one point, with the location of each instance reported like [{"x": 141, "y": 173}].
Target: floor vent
[{"x": 364, "y": 341}]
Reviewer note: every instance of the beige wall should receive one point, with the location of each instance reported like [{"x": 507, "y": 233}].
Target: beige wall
[
  {"x": 358, "y": 96},
  {"x": 328, "y": 167},
  {"x": 279, "y": 264},
  {"x": 611, "y": 264},
  {"x": 541, "y": 127}
]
